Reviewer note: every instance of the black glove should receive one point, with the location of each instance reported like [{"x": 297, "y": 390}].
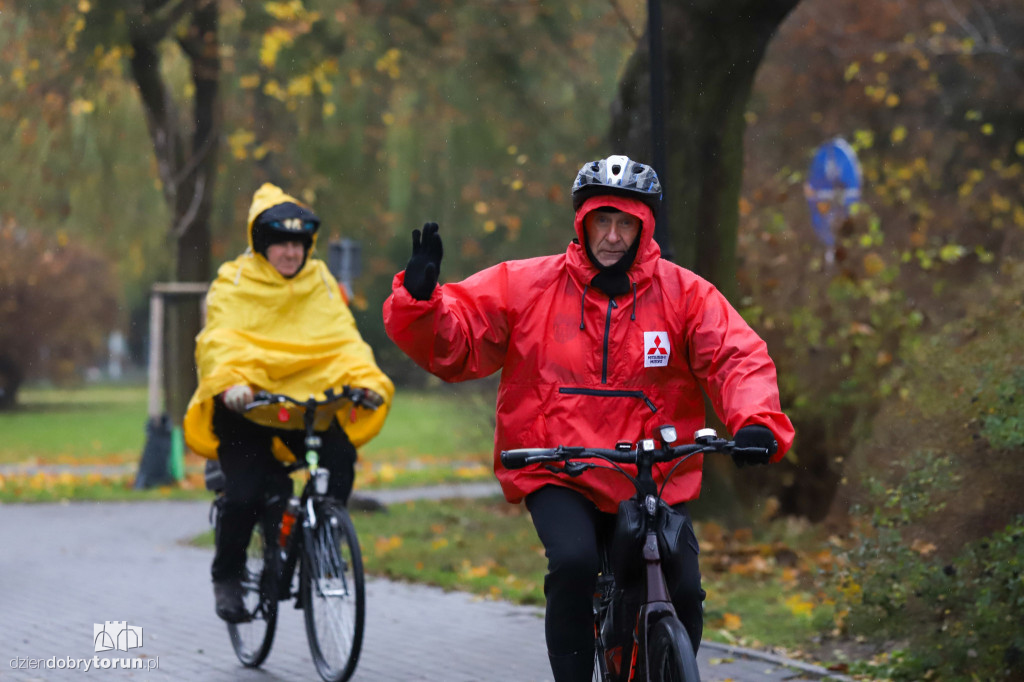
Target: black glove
[
  {"x": 755, "y": 444},
  {"x": 423, "y": 268}
]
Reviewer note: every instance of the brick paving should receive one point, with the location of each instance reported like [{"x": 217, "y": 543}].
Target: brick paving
[{"x": 64, "y": 567}]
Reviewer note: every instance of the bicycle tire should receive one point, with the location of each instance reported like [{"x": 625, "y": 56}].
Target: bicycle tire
[
  {"x": 670, "y": 653},
  {"x": 333, "y": 593},
  {"x": 251, "y": 639}
]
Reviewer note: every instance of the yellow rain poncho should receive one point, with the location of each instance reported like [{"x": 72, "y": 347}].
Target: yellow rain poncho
[{"x": 294, "y": 336}]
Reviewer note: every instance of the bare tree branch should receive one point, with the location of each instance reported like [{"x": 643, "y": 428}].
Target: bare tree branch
[
  {"x": 161, "y": 114},
  {"x": 151, "y": 22},
  {"x": 624, "y": 20},
  {"x": 189, "y": 216}
]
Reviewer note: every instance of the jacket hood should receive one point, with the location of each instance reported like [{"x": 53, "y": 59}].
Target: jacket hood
[
  {"x": 648, "y": 250},
  {"x": 268, "y": 196}
]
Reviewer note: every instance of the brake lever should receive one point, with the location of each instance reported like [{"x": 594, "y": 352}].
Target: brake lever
[
  {"x": 361, "y": 398},
  {"x": 573, "y": 469}
]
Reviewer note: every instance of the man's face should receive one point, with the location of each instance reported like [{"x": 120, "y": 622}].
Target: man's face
[
  {"x": 286, "y": 257},
  {"x": 610, "y": 234}
]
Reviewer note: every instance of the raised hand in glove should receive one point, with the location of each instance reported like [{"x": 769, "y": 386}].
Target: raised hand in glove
[
  {"x": 754, "y": 436},
  {"x": 424, "y": 266},
  {"x": 237, "y": 397}
]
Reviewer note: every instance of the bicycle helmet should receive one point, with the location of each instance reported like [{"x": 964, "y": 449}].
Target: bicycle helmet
[
  {"x": 284, "y": 222},
  {"x": 617, "y": 175}
]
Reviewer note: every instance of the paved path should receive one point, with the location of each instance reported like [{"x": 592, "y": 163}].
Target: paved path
[{"x": 64, "y": 568}]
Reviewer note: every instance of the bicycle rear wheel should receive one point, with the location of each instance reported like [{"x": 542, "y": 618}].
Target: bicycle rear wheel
[
  {"x": 670, "y": 653},
  {"x": 333, "y": 595},
  {"x": 252, "y": 638}
]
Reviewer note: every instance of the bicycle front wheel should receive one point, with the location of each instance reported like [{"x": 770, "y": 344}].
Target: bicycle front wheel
[
  {"x": 333, "y": 594},
  {"x": 252, "y": 638},
  {"x": 670, "y": 653}
]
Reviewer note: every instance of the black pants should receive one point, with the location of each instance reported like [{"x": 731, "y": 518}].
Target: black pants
[
  {"x": 572, "y": 529},
  {"x": 252, "y": 474}
]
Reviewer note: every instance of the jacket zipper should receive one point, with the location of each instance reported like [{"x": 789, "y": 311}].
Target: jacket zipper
[
  {"x": 607, "y": 331},
  {"x": 610, "y": 393}
]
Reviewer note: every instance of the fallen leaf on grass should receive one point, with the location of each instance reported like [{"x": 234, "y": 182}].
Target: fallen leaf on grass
[
  {"x": 384, "y": 545},
  {"x": 387, "y": 473},
  {"x": 731, "y": 621},
  {"x": 923, "y": 548},
  {"x": 799, "y": 606},
  {"x": 756, "y": 565}
]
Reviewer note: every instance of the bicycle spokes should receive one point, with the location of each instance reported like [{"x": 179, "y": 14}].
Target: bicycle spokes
[{"x": 333, "y": 595}]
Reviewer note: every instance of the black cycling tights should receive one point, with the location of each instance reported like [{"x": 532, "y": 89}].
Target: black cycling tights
[
  {"x": 251, "y": 471},
  {"x": 569, "y": 525}
]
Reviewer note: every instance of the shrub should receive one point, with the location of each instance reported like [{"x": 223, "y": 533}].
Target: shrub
[
  {"x": 1002, "y": 422},
  {"x": 959, "y": 618},
  {"x": 57, "y": 305}
]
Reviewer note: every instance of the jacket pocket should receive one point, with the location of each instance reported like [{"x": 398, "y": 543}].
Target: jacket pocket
[{"x": 610, "y": 393}]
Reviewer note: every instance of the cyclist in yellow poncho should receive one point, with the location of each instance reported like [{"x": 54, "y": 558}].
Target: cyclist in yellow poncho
[{"x": 277, "y": 321}]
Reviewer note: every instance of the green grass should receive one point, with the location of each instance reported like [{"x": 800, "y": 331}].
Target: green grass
[
  {"x": 435, "y": 423},
  {"x": 486, "y": 547},
  {"x": 98, "y": 425},
  {"x": 429, "y": 438}
]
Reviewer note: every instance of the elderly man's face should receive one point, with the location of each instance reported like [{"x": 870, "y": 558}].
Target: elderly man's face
[
  {"x": 286, "y": 257},
  {"x": 610, "y": 234}
]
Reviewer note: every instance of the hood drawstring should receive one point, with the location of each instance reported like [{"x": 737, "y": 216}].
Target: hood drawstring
[
  {"x": 582, "y": 299},
  {"x": 632, "y": 315},
  {"x": 323, "y": 277}
]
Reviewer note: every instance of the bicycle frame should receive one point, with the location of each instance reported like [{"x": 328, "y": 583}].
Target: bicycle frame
[{"x": 315, "y": 488}]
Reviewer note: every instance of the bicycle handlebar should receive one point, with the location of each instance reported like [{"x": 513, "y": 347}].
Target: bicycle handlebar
[
  {"x": 521, "y": 457},
  {"x": 358, "y": 396}
]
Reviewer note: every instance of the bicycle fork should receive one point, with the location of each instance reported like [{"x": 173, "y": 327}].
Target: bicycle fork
[{"x": 657, "y": 602}]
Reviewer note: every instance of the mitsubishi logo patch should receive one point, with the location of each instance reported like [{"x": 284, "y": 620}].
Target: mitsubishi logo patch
[{"x": 656, "y": 349}]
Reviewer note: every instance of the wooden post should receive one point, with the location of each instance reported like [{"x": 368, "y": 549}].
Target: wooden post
[
  {"x": 157, "y": 305},
  {"x": 156, "y": 355}
]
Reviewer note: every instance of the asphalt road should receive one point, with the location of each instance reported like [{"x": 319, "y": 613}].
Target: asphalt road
[{"x": 67, "y": 568}]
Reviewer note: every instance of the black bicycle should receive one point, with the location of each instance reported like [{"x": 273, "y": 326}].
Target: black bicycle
[
  {"x": 315, "y": 533},
  {"x": 659, "y": 649}
]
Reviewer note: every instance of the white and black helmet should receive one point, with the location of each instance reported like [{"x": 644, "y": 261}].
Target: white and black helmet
[{"x": 618, "y": 175}]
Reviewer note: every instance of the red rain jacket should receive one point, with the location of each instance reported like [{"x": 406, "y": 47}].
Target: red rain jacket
[{"x": 578, "y": 368}]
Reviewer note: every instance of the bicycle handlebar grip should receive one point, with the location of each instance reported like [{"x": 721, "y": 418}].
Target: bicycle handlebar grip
[
  {"x": 755, "y": 451},
  {"x": 517, "y": 459}
]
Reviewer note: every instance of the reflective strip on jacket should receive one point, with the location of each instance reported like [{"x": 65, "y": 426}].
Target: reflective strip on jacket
[{"x": 580, "y": 369}]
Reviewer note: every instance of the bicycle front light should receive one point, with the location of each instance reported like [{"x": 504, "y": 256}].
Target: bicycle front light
[
  {"x": 320, "y": 478},
  {"x": 668, "y": 434}
]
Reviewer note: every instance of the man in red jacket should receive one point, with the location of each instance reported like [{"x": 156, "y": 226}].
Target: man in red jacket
[{"x": 601, "y": 344}]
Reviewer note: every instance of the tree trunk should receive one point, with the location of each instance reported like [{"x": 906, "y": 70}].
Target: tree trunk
[
  {"x": 187, "y": 170},
  {"x": 713, "y": 49}
]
